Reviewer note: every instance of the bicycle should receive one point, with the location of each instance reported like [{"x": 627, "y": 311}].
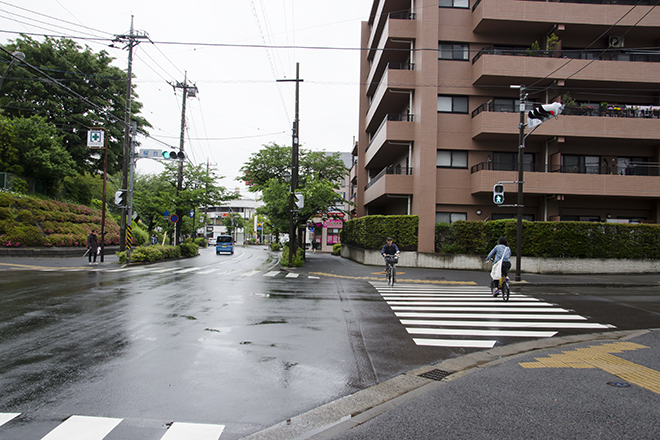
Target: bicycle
[
  {"x": 390, "y": 269},
  {"x": 501, "y": 286}
]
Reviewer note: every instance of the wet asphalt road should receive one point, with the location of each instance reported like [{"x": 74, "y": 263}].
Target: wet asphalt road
[{"x": 222, "y": 339}]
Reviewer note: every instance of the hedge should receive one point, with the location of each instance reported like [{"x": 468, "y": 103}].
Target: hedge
[
  {"x": 370, "y": 232},
  {"x": 553, "y": 239}
]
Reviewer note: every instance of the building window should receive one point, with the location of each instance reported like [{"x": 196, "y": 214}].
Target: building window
[
  {"x": 454, "y": 3},
  {"x": 452, "y": 104},
  {"x": 450, "y": 217},
  {"x": 333, "y": 236},
  {"x": 509, "y": 161},
  {"x": 580, "y": 164},
  {"x": 453, "y": 51},
  {"x": 452, "y": 159},
  {"x": 505, "y": 105}
]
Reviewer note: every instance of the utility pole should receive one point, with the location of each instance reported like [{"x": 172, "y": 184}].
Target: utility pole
[
  {"x": 521, "y": 170},
  {"x": 187, "y": 91},
  {"x": 132, "y": 39},
  {"x": 294, "y": 167}
]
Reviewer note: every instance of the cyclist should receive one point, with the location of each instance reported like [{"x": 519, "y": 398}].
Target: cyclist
[
  {"x": 389, "y": 250},
  {"x": 501, "y": 252}
]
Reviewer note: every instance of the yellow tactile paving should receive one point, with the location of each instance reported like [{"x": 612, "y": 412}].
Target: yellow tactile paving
[
  {"x": 398, "y": 280},
  {"x": 601, "y": 357}
]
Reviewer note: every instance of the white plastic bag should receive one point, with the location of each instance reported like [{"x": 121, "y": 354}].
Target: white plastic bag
[{"x": 496, "y": 271}]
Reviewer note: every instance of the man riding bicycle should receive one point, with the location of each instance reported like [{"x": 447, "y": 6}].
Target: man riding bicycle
[{"x": 390, "y": 252}]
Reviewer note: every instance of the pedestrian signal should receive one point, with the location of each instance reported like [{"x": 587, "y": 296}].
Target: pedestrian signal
[{"x": 498, "y": 194}]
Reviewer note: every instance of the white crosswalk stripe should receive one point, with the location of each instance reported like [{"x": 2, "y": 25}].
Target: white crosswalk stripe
[
  {"x": 468, "y": 316},
  {"x": 79, "y": 427}
]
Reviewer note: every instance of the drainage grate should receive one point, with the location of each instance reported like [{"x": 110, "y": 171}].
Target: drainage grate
[{"x": 435, "y": 374}]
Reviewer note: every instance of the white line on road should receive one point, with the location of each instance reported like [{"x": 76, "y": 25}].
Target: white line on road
[
  {"x": 292, "y": 275},
  {"x": 6, "y": 417},
  {"x": 502, "y": 308},
  {"x": 558, "y": 317},
  {"x": 491, "y": 333},
  {"x": 464, "y": 303},
  {"x": 83, "y": 428},
  {"x": 504, "y": 324},
  {"x": 196, "y": 431},
  {"x": 454, "y": 343},
  {"x": 272, "y": 273}
]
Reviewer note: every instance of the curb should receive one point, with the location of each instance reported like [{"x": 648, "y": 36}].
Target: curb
[{"x": 331, "y": 419}]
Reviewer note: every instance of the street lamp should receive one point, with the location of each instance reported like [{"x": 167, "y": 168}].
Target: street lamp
[{"x": 16, "y": 55}]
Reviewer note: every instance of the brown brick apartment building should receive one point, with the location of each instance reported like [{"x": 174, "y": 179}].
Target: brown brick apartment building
[{"x": 439, "y": 121}]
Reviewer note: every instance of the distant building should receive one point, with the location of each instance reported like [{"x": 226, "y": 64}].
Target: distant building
[{"x": 244, "y": 207}]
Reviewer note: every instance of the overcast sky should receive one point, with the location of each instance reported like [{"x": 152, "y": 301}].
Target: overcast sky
[{"x": 239, "y": 106}]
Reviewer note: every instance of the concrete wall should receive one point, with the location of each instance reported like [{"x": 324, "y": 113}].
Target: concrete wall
[{"x": 529, "y": 264}]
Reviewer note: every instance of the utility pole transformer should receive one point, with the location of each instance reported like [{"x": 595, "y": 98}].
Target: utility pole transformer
[
  {"x": 132, "y": 39},
  {"x": 188, "y": 90}
]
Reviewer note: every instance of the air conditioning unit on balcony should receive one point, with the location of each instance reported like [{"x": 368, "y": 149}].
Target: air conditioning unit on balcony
[{"x": 616, "y": 41}]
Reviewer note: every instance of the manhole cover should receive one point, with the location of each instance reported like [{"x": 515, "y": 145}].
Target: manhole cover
[
  {"x": 435, "y": 374},
  {"x": 618, "y": 384}
]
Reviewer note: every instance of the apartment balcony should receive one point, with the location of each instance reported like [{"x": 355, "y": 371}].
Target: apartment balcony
[
  {"x": 386, "y": 11},
  {"x": 514, "y": 18},
  {"x": 394, "y": 47},
  {"x": 644, "y": 183},
  {"x": 353, "y": 173},
  {"x": 393, "y": 93},
  {"x": 640, "y": 125},
  {"x": 392, "y": 180},
  {"x": 496, "y": 67},
  {"x": 391, "y": 140}
]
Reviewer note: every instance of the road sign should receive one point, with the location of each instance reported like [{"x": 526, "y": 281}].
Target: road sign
[
  {"x": 191, "y": 213},
  {"x": 174, "y": 218},
  {"x": 150, "y": 153},
  {"x": 95, "y": 138}
]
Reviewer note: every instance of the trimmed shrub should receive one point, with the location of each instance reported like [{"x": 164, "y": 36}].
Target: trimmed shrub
[
  {"x": 189, "y": 249},
  {"x": 336, "y": 249},
  {"x": 296, "y": 261},
  {"x": 371, "y": 232}
]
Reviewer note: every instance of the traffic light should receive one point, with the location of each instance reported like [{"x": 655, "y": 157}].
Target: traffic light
[
  {"x": 173, "y": 155},
  {"x": 121, "y": 198},
  {"x": 544, "y": 112},
  {"x": 498, "y": 194}
]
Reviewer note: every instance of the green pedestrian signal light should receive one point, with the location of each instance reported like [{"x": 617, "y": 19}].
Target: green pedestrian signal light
[{"x": 498, "y": 194}]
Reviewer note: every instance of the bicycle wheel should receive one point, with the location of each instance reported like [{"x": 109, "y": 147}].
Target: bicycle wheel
[
  {"x": 505, "y": 291},
  {"x": 388, "y": 274},
  {"x": 393, "y": 275}
]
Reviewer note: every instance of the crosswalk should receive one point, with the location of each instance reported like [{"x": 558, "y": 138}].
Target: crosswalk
[
  {"x": 202, "y": 270},
  {"x": 97, "y": 428},
  {"x": 468, "y": 316}
]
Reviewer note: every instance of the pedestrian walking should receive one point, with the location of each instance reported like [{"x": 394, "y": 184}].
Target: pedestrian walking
[{"x": 92, "y": 246}]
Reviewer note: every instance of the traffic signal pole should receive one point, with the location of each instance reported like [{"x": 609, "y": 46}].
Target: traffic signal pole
[{"x": 521, "y": 169}]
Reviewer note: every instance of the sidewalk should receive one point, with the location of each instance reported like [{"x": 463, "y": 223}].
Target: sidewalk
[{"x": 599, "y": 386}]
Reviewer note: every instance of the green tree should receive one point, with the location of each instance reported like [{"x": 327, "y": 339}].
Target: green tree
[
  {"x": 232, "y": 222},
  {"x": 319, "y": 174},
  {"x": 88, "y": 74},
  {"x": 155, "y": 194},
  {"x": 41, "y": 154}
]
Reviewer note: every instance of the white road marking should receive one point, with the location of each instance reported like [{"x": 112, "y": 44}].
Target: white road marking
[
  {"x": 83, "y": 428},
  {"x": 455, "y": 343},
  {"x": 6, "y": 417},
  {"x": 502, "y": 308},
  {"x": 193, "y": 431},
  {"x": 272, "y": 273},
  {"x": 505, "y": 324},
  {"x": 471, "y": 332},
  {"x": 292, "y": 275},
  {"x": 489, "y": 316}
]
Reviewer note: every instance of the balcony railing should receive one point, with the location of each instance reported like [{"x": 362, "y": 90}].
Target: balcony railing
[
  {"x": 594, "y": 2},
  {"x": 631, "y": 169},
  {"x": 390, "y": 170},
  {"x": 401, "y": 15},
  {"x": 642, "y": 55},
  {"x": 391, "y": 117},
  {"x": 401, "y": 66},
  {"x": 608, "y": 110}
]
